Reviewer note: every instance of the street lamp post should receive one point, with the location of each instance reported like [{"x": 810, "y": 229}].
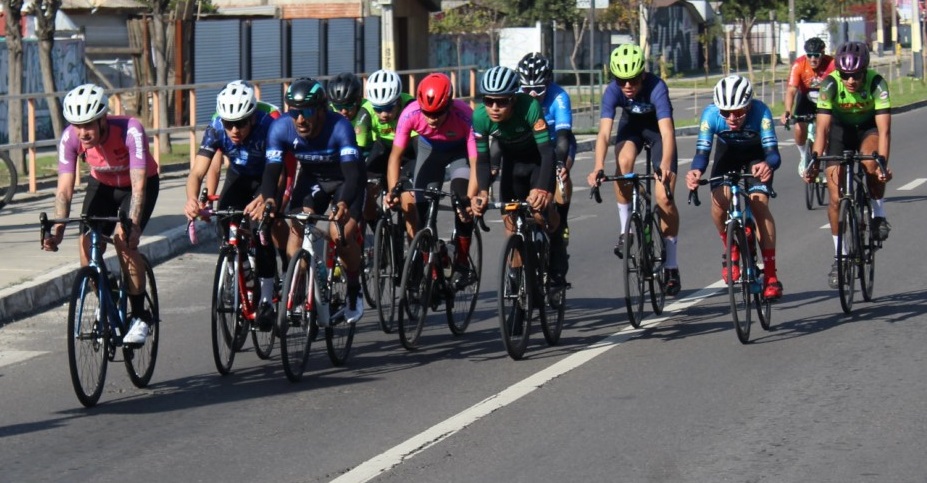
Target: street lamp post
[
  {"x": 793, "y": 35},
  {"x": 916, "y": 42},
  {"x": 388, "y": 48}
]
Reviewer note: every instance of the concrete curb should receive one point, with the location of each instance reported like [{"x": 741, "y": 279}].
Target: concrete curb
[{"x": 51, "y": 288}]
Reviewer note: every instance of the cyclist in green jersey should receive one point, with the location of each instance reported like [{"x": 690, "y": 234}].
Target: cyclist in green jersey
[
  {"x": 516, "y": 122},
  {"x": 385, "y": 101},
  {"x": 854, "y": 112}
]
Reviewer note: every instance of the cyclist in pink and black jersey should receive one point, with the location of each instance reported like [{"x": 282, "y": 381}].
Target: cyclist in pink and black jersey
[
  {"x": 123, "y": 176},
  {"x": 445, "y": 142}
]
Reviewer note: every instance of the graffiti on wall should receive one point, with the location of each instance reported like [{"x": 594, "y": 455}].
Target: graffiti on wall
[
  {"x": 474, "y": 50},
  {"x": 675, "y": 36},
  {"x": 69, "y": 70}
]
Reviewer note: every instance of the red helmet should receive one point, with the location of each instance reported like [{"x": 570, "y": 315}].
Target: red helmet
[{"x": 434, "y": 93}]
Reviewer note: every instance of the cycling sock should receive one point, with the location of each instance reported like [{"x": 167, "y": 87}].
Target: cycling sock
[
  {"x": 878, "y": 207},
  {"x": 769, "y": 262},
  {"x": 353, "y": 278},
  {"x": 671, "y": 261},
  {"x": 463, "y": 250},
  {"x": 835, "y": 244},
  {"x": 624, "y": 211},
  {"x": 267, "y": 289},
  {"x": 137, "y": 304}
]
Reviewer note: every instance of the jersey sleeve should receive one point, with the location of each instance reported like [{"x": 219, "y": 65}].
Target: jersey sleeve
[
  {"x": 362, "y": 129},
  {"x": 535, "y": 118},
  {"x": 481, "y": 130},
  {"x": 883, "y": 103},
  {"x": 826, "y": 94},
  {"x": 706, "y": 135},
  {"x": 795, "y": 72},
  {"x": 68, "y": 151},
  {"x": 136, "y": 144},
  {"x": 610, "y": 101},
  {"x": 563, "y": 113},
  {"x": 277, "y": 142},
  {"x": 211, "y": 141},
  {"x": 404, "y": 126},
  {"x": 768, "y": 138},
  {"x": 661, "y": 101}
]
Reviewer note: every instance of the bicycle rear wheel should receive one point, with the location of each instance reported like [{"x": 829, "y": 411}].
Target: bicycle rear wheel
[
  {"x": 415, "y": 291},
  {"x": 463, "y": 302},
  {"x": 847, "y": 254},
  {"x": 140, "y": 359},
  {"x": 820, "y": 188},
  {"x": 739, "y": 293},
  {"x": 656, "y": 259},
  {"x": 224, "y": 310},
  {"x": 867, "y": 250},
  {"x": 634, "y": 267},
  {"x": 88, "y": 338},
  {"x": 339, "y": 334},
  {"x": 366, "y": 273},
  {"x": 264, "y": 340},
  {"x": 8, "y": 179},
  {"x": 515, "y": 297},
  {"x": 810, "y": 189},
  {"x": 552, "y": 302},
  {"x": 385, "y": 274},
  {"x": 293, "y": 317}
]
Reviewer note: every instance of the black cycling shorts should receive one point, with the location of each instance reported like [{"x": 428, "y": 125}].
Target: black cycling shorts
[
  {"x": 639, "y": 132},
  {"x": 730, "y": 158},
  {"x": 105, "y": 200},
  {"x": 318, "y": 194}
]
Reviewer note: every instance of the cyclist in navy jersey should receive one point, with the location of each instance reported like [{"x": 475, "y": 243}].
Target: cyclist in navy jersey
[
  {"x": 536, "y": 77},
  {"x": 646, "y": 116},
  {"x": 331, "y": 172},
  {"x": 239, "y": 131},
  {"x": 756, "y": 150}
]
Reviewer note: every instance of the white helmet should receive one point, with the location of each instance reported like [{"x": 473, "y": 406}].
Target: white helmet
[
  {"x": 733, "y": 92},
  {"x": 383, "y": 87},
  {"x": 236, "y": 101},
  {"x": 84, "y": 103}
]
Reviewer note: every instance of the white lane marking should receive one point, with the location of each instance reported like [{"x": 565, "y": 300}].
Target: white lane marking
[
  {"x": 9, "y": 357},
  {"x": 914, "y": 184},
  {"x": 396, "y": 455},
  {"x": 825, "y": 226}
]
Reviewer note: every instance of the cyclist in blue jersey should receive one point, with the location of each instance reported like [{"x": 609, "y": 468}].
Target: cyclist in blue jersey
[
  {"x": 757, "y": 151},
  {"x": 537, "y": 80},
  {"x": 239, "y": 131},
  {"x": 331, "y": 173},
  {"x": 646, "y": 116}
]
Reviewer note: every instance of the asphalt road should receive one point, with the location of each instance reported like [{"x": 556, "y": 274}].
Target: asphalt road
[{"x": 822, "y": 397}]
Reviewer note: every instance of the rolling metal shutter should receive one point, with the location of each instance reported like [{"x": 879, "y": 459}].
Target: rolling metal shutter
[
  {"x": 267, "y": 57},
  {"x": 216, "y": 44},
  {"x": 306, "y": 48},
  {"x": 342, "y": 46},
  {"x": 372, "y": 48}
]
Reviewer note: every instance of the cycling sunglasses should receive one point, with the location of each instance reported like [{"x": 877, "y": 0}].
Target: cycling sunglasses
[
  {"x": 855, "y": 75},
  {"x": 500, "y": 102},
  {"x": 434, "y": 114},
  {"x": 386, "y": 108},
  {"x": 240, "y": 124},
  {"x": 536, "y": 91},
  {"x": 735, "y": 114},
  {"x": 814, "y": 55},
  {"x": 633, "y": 81},
  {"x": 344, "y": 107},
  {"x": 306, "y": 112}
]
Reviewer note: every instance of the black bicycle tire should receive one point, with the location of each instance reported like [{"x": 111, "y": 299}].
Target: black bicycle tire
[
  {"x": 298, "y": 336},
  {"x": 339, "y": 335},
  {"x": 222, "y": 336},
  {"x": 6, "y": 193},
  {"x": 82, "y": 288},
  {"x": 847, "y": 264},
  {"x": 551, "y": 304},
  {"x": 385, "y": 275},
  {"x": 633, "y": 266},
  {"x": 867, "y": 251},
  {"x": 739, "y": 289},
  {"x": 810, "y": 190},
  {"x": 821, "y": 192},
  {"x": 469, "y": 296},
  {"x": 523, "y": 301},
  {"x": 141, "y": 377},
  {"x": 656, "y": 259},
  {"x": 409, "y": 333}
]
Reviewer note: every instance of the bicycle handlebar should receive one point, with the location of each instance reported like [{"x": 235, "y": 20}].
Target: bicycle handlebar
[
  {"x": 731, "y": 177},
  {"x": 45, "y": 224},
  {"x": 601, "y": 178},
  {"x": 796, "y": 118},
  {"x": 849, "y": 157}
]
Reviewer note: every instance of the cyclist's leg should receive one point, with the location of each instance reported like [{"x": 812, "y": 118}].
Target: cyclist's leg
[
  {"x": 840, "y": 138},
  {"x": 376, "y": 168},
  {"x": 666, "y": 208},
  {"x": 350, "y": 252},
  {"x": 766, "y": 226},
  {"x": 463, "y": 229},
  {"x": 725, "y": 160},
  {"x": 870, "y": 144},
  {"x": 803, "y": 106},
  {"x": 133, "y": 264},
  {"x": 628, "y": 145}
]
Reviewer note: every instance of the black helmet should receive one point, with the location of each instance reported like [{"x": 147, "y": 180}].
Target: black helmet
[
  {"x": 534, "y": 70},
  {"x": 814, "y": 45},
  {"x": 345, "y": 88},
  {"x": 305, "y": 92}
]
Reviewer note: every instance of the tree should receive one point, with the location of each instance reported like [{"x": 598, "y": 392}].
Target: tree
[
  {"x": 45, "y": 12},
  {"x": 746, "y": 12},
  {"x": 481, "y": 16},
  {"x": 14, "y": 45}
]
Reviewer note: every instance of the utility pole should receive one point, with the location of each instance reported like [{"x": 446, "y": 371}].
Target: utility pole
[
  {"x": 388, "y": 50},
  {"x": 877, "y": 45},
  {"x": 793, "y": 35},
  {"x": 916, "y": 41}
]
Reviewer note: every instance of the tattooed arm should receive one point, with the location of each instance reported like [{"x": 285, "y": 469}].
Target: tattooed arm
[
  {"x": 62, "y": 210},
  {"x": 136, "y": 204}
]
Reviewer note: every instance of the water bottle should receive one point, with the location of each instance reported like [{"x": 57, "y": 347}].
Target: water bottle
[
  {"x": 247, "y": 268},
  {"x": 566, "y": 236},
  {"x": 750, "y": 236},
  {"x": 647, "y": 223}
]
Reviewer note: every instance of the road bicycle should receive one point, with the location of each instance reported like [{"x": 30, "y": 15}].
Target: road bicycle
[
  {"x": 236, "y": 289},
  {"x": 427, "y": 271},
  {"x": 644, "y": 250},
  {"x": 387, "y": 259},
  {"x": 856, "y": 247},
  {"x": 524, "y": 283},
  {"x": 314, "y": 297},
  {"x": 818, "y": 189},
  {"x": 8, "y": 179},
  {"x": 745, "y": 277},
  {"x": 98, "y": 318}
]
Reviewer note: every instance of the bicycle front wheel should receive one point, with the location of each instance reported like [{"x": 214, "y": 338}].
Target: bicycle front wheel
[
  {"x": 387, "y": 266},
  {"x": 847, "y": 254},
  {"x": 810, "y": 189},
  {"x": 140, "y": 359},
  {"x": 88, "y": 338},
  {"x": 339, "y": 334},
  {"x": 418, "y": 275},
  {"x": 820, "y": 188},
  {"x": 552, "y": 304},
  {"x": 656, "y": 260},
  {"x": 634, "y": 266},
  {"x": 8, "y": 179},
  {"x": 461, "y": 305},
  {"x": 224, "y": 310},
  {"x": 515, "y": 297},
  {"x": 867, "y": 250},
  {"x": 293, "y": 316},
  {"x": 739, "y": 293}
]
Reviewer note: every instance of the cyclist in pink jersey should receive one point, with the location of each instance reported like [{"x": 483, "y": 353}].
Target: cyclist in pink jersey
[
  {"x": 446, "y": 142},
  {"x": 124, "y": 176}
]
